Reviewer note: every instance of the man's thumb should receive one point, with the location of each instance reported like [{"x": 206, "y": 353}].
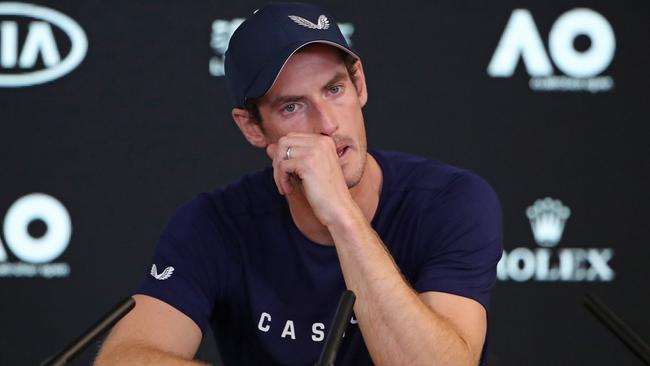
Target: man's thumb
[{"x": 270, "y": 150}]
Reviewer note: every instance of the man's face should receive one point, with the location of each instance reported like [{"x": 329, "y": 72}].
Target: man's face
[{"x": 314, "y": 94}]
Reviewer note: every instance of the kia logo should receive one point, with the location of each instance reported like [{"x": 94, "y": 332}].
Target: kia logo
[{"x": 38, "y": 42}]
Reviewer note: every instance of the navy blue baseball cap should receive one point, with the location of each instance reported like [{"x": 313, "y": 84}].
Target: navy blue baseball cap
[{"x": 263, "y": 43}]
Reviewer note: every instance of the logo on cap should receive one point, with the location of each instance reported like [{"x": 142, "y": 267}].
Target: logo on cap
[{"x": 323, "y": 22}]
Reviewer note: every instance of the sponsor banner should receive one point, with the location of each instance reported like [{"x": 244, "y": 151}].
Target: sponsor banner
[
  {"x": 550, "y": 264},
  {"x": 38, "y": 59},
  {"x": 580, "y": 68},
  {"x": 35, "y": 251}
]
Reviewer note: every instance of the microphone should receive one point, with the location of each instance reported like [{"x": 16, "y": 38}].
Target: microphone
[
  {"x": 79, "y": 344},
  {"x": 616, "y": 326},
  {"x": 339, "y": 325}
]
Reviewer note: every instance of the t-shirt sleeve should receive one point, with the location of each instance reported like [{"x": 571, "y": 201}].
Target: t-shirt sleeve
[
  {"x": 187, "y": 273},
  {"x": 460, "y": 239}
]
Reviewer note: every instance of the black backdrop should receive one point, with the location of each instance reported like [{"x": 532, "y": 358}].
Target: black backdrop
[{"x": 142, "y": 124}]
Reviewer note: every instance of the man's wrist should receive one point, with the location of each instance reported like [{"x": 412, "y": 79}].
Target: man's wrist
[{"x": 348, "y": 217}]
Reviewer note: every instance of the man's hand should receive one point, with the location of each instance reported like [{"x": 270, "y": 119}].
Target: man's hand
[{"x": 315, "y": 169}]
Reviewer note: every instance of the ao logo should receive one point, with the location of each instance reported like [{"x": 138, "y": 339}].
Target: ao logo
[
  {"x": 36, "y": 206},
  {"x": 521, "y": 39},
  {"x": 39, "y": 40}
]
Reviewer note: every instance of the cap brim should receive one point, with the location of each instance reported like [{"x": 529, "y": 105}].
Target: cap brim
[{"x": 269, "y": 75}]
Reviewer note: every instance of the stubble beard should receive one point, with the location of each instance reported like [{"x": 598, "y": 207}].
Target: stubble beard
[{"x": 353, "y": 178}]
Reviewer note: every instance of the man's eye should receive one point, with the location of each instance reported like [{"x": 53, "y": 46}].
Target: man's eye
[
  {"x": 335, "y": 89},
  {"x": 290, "y": 108}
]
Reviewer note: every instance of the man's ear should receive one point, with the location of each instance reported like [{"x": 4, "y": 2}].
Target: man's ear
[
  {"x": 250, "y": 127},
  {"x": 360, "y": 83}
]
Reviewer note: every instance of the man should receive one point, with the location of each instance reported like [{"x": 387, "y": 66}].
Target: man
[{"x": 264, "y": 261}]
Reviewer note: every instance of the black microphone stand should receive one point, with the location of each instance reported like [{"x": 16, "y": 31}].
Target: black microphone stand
[
  {"x": 339, "y": 324},
  {"x": 618, "y": 327}
]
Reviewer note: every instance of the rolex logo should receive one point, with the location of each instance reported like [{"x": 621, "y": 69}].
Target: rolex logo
[
  {"x": 549, "y": 263},
  {"x": 547, "y": 218}
]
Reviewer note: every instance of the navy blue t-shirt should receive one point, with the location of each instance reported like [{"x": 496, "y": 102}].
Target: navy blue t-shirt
[{"x": 242, "y": 267}]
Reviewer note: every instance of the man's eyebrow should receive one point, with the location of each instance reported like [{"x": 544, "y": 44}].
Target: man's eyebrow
[
  {"x": 281, "y": 99},
  {"x": 336, "y": 78}
]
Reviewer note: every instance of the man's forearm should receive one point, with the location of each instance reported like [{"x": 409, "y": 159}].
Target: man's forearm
[
  {"x": 140, "y": 355},
  {"x": 397, "y": 326}
]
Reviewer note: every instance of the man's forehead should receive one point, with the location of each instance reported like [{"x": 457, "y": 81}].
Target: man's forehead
[
  {"x": 310, "y": 66},
  {"x": 312, "y": 55},
  {"x": 283, "y": 96}
]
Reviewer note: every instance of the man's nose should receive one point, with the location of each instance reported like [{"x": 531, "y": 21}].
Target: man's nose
[{"x": 326, "y": 120}]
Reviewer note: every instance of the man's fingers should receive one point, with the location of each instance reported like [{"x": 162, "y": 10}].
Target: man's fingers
[
  {"x": 279, "y": 151},
  {"x": 281, "y": 178},
  {"x": 302, "y": 140},
  {"x": 294, "y": 152},
  {"x": 283, "y": 169},
  {"x": 270, "y": 150},
  {"x": 286, "y": 170}
]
